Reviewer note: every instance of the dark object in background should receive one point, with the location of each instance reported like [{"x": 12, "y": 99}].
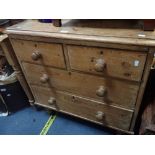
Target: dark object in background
[
  {"x": 147, "y": 112},
  {"x": 148, "y": 24},
  {"x": 4, "y": 22},
  {"x": 9, "y": 22},
  {"x": 57, "y": 22},
  {"x": 15, "y": 21},
  {"x": 45, "y": 20},
  {"x": 2, "y": 63},
  {"x": 12, "y": 92},
  {"x": 14, "y": 96},
  {"x": 3, "y": 107},
  {"x": 8, "y": 69},
  {"x": 145, "y": 24}
]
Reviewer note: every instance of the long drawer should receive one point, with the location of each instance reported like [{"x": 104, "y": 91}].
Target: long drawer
[
  {"x": 50, "y": 54},
  {"x": 81, "y": 107},
  {"x": 110, "y": 62},
  {"x": 107, "y": 90}
]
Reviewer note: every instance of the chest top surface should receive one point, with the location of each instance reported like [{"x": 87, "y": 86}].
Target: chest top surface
[{"x": 77, "y": 30}]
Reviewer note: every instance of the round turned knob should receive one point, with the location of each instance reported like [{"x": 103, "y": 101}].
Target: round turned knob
[
  {"x": 35, "y": 56},
  {"x": 100, "y": 65},
  {"x": 101, "y": 91},
  {"x": 44, "y": 78},
  {"x": 100, "y": 115},
  {"x": 51, "y": 101}
]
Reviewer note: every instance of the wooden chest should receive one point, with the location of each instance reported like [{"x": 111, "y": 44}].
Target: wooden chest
[{"x": 96, "y": 74}]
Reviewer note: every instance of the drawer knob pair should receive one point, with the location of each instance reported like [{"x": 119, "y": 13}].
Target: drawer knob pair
[
  {"x": 100, "y": 115},
  {"x": 101, "y": 92},
  {"x": 44, "y": 78},
  {"x": 51, "y": 101},
  {"x": 35, "y": 56},
  {"x": 100, "y": 65}
]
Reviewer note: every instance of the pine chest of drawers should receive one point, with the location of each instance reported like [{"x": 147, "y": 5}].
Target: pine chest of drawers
[{"x": 91, "y": 73}]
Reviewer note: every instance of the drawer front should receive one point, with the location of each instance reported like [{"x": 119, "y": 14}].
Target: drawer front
[
  {"x": 40, "y": 53},
  {"x": 111, "y": 62},
  {"x": 88, "y": 109},
  {"x": 102, "y": 89}
]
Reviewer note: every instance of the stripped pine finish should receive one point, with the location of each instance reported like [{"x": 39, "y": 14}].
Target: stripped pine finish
[{"x": 97, "y": 74}]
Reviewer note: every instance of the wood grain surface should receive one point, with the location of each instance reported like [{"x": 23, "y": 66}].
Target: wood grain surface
[
  {"x": 118, "y": 92},
  {"x": 86, "y": 108},
  {"x": 50, "y": 54},
  {"x": 118, "y": 63}
]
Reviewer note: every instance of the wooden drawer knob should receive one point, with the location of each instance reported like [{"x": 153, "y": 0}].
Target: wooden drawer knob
[
  {"x": 44, "y": 78},
  {"x": 51, "y": 101},
  {"x": 101, "y": 91},
  {"x": 35, "y": 56},
  {"x": 100, "y": 65},
  {"x": 100, "y": 115}
]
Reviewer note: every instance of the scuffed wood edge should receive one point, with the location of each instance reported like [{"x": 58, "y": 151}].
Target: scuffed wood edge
[{"x": 143, "y": 85}]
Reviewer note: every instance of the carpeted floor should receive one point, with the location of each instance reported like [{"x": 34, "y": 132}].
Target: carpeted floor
[{"x": 29, "y": 121}]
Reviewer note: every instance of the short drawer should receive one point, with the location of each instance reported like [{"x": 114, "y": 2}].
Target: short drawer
[
  {"x": 110, "y": 62},
  {"x": 107, "y": 90},
  {"x": 39, "y": 52},
  {"x": 91, "y": 110}
]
